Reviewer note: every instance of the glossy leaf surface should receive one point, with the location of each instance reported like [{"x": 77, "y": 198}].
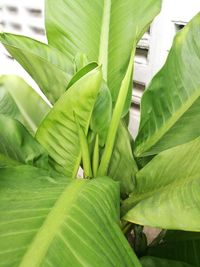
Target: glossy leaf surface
[
  {"x": 58, "y": 132},
  {"x": 170, "y": 106},
  {"x": 167, "y": 190},
  {"x": 40, "y": 214}
]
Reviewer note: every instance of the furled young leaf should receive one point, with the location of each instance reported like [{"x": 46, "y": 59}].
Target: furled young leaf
[
  {"x": 167, "y": 192},
  {"x": 62, "y": 222},
  {"x": 58, "y": 132},
  {"x": 102, "y": 114},
  {"x": 19, "y": 101},
  {"x": 179, "y": 245},
  {"x": 105, "y": 30},
  {"x": 122, "y": 165},
  {"x": 17, "y": 146},
  {"x": 170, "y": 106},
  {"x": 157, "y": 262},
  {"x": 51, "y": 69}
]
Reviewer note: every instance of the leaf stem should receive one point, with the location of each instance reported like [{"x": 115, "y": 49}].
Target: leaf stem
[
  {"x": 116, "y": 118},
  {"x": 84, "y": 150},
  {"x": 95, "y": 160}
]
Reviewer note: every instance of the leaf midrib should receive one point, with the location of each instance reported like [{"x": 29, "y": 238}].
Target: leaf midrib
[
  {"x": 34, "y": 256},
  {"x": 104, "y": 38},
  {"x": 142, "y": 150},
  {"x": 138, "y": 197}
]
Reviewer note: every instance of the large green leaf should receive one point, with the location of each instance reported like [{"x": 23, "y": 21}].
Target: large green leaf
[
  {"x": 179, "y": 245},
  {"x": 62, "y": 222},
  {"x": 157, "y": 262},
  {"x": 167, "y": 192},
  {"x": 19, "y": 101},
  {"x": 51, "y": 69},
  {"x": 17, "y": 146},
  {"x": 170, "y": 107},
  {"x": 105, "y": 30},
  {"x": 122, "y": 166},
  {"x": 58, "y": 132}
]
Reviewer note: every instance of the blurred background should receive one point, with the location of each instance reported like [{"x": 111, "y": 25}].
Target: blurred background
[{"x": 26, "y": 17}]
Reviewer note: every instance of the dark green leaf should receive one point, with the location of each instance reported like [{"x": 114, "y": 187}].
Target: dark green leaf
[
  {"x": 170, "y": 107},
  {"x": 157, "y": 262}
]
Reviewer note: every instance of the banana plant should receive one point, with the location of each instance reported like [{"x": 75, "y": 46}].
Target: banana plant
[{"x": 49, "y": 215}]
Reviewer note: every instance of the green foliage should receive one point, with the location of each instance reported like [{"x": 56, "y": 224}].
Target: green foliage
[{"x": 48, "y": 216}]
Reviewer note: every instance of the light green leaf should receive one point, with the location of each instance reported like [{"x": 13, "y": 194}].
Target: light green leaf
[
  {"x": 51, "y": 69},
  {"x": 167, "y": 192},
  {"x": 157, "y": 262},
  {"x": 122, "y": 165},
  {"x": 17, "y": 146},
  {"x": 102, "y": 113},
  {"x": 170, "y": 106},
  {"x": 104, "y": 30},
  {"x": 179, "y": 245},
  {"x": 80, "y": 217},
  {"x": 58, "y": 132},
  {"x": 19, "y": 101}
]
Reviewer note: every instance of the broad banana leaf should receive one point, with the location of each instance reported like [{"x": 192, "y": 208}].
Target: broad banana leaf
[
  {"x": 104, "y": 30},
  {"x": 51, "y": 69},
  {"x": 122, "y": 165},
  {"x": 157, "y": 262},
  {"x": 60, "y": 222},
  {"x": 17, "y": 146},
  {"x": 167, "y": 190},
  {"x": 170, "y": 107},
  {"x": 19, "y": 101},
  {"x": 58, "y": 132},
  {"x": 179, "y": 245}
]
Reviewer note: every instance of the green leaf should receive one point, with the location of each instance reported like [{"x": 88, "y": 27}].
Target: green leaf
[
  {"x": 60, "y": 222},
  {"x": 102, "y": 113},
  {"x": 104, "y": 30},
  {"x": 167, "y": 192},
  {"x": 19, "y": 101},
  {"x": 17, "y": 146},
  {"x": 58, "y": 132},
  {"x": 157, "y": 262},
  {"x": 179, "y": 245},
  {"x": 122, "y": 165},
  {"x": 170, "y": 106},
  {"x": 117, "y": 114},
  {"x": 51, "y": 69}
]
